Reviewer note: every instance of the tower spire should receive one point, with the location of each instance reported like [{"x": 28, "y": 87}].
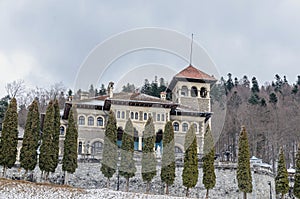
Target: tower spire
[{"x": 191, "y": 52}]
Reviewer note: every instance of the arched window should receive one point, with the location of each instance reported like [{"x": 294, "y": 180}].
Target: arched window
[
  {"x": 178, "y": 150},
  {"x": 163, "y": 117},
  {"x": 90, "y": 121},
  {"x": 145, "y": 116},
  {"x": 118, "y": 114},
  {"x": 99, "y": 121},
  {"x": 136, "y": 115},
  {"x": 203, "y": 92},
  {"x": 158, "y": 117},
  {"x": 176, "y": 126},
  {"x": 97, "y": 147},
  {"x": 119, "y": 136},
  {"x": 184, "y": 91},
  {"x": 195, "y": 127},
  {"x": 194, "y": 91},
  {"x": 81, "y": 120},
  {"x": 123, "y": 114},
  {"x": 132, "y": 115},
  {"x": 80, "y": 148},
  {"x": 185, "y": 127},
  {"x": 62, "y": 130}
]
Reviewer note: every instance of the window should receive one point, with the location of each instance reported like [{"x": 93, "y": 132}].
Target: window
[
  {"x": 81, "y": 120},
  {"x": 62, "y": 130},
  {"x": 177, "y": 150},
  {"x": 158, "y": 117},
  {"x": 118, "y": 114},
  {"x": 203, "y": 92},
  {"x": 132, "y": 115},
  {"x": 90, "y": 121},
  {"x": 195, "y": 127},
  {"x": 136, "y": 115},
  {"x": 184, "y": 91},
  {"x": 145, "y": 116},
  {"x": 97, "y": 147},
  {"x": 176, "y": 126},
  {"x": 194, "y": 91},
  {"x": 80, "y": 148},
  {"x": 99, "y": 121},
  {"x": 185, "y": 127},
  {"x": 123, "y": 114},
  {"x": 119, "y": 136},
  {"x": 163, "y": 117}
]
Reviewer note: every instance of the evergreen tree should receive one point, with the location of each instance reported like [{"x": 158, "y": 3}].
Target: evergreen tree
[
  {"x": 209, "y": 176},
  {"x": 246, "y": 82},
  {"x": 55, "y": 136},
  {"x": 190, "y": 167},
  {"x": 9, "y": 137},
  {"x": 243, "y": 169},
  {"x": 167, "y": 174},
  {"x": 281, "y": 179},
  {"x": 69, "y": 161},
  {"x": 297, "y": 175},
  {"x": 295, "y": 89},
  {"x": 229, "y": 83},
  {"x": 3, "y": 107},
  {"x": 46, "y": 150},
  {"x": 102, "y": 90},
  {"x": 236, "y": 82},
  {"x": 127, "y": 167},
  {"x": 254, "y": 99},
  {"x": 148, "y": 157},
  {"x": 273, "y": 98},
  {"x": 110, "y": 149},
  {"x": 146, "y": 89},
  {"x": 255, "y": 87},
  {"x": 28, "y": 155},
  {"x": 298, "y": 80}
]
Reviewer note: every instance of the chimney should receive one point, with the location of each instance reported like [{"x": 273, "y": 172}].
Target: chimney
[
  {"x": 110, "y": 89},
  {"x": 163, "y": 95}
]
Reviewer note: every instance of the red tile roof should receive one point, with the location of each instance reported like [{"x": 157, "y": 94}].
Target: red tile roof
[{"x": 194, "y": 73}]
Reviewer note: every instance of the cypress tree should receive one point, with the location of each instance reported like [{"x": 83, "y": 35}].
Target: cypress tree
[
  {"x": 297, "y": 175},
  {"x": 148, "y": 157},
  {"x": 69, "y": 161},
  {"x": 28, "y": 155},
  {"x": 127, "y": 167},
  {"x": 9, "y": 137},
  {"x": 190, "y": 167},
  {"x": 55, "y": 136},
  {"x": 110, "y": 148},
  {"x": 167, "y": 174},
  {"x": 244, "y": 177},
  {"x": 281, "y": 179},
  {"x": 209, "y": 176},
  {"x": 46, "y": 150}
]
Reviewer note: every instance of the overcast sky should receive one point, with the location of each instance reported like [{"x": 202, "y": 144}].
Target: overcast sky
[{"x": 44, "y": 42}]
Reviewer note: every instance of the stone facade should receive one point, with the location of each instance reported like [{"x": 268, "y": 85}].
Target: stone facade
[{"x": 190, "y": 105}]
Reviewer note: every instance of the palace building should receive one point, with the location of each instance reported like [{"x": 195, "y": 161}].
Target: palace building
[{"x": 190, "y": 105}]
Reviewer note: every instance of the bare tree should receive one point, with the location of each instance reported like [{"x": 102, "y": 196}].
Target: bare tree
[{"x": 15, "y": 88}]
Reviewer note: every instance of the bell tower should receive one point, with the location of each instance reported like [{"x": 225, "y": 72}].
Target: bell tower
[{"x": 191, "y": 88}]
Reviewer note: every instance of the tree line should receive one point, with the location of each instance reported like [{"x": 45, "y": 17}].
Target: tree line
[
  {"x": 40, "y": 143},
  {"x": 270, "y": 111},
  {"x": 127, "y": 167}
]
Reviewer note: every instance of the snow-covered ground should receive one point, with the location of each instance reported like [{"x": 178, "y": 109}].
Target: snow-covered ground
[{"x": 92, "y": 184}]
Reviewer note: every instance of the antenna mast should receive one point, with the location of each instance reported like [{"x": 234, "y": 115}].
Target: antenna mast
[{"x": 191, "y": 53}]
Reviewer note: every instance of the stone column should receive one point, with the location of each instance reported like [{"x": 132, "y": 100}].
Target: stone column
[{"x": 140, "y": 143}]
